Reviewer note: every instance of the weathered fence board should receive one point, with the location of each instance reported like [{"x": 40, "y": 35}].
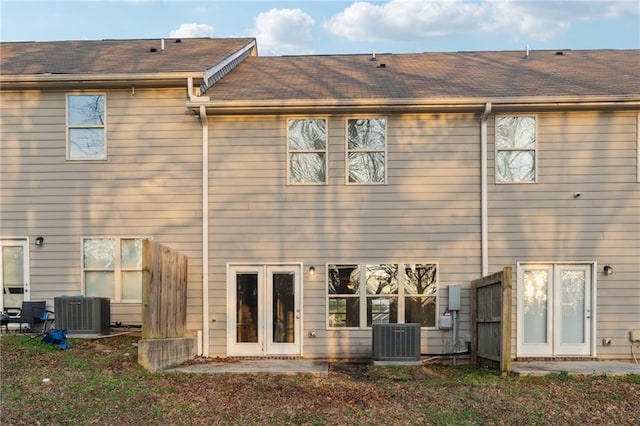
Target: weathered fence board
[
  {"x": 164, "y": 292},
  {"x": 491, "y": 320}
]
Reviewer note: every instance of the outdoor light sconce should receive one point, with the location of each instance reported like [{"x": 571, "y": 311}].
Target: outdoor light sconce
[
  {"x": 312, "y": 270},
  {"x": 39, "y": 241},
  {"x": 608, "y": 270}
]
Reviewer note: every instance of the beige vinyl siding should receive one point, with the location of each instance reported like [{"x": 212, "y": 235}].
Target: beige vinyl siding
[
  {"x": 595, "y": 154},
  {"x": 428, "y": 211},
  {"x": 150, "y": 185}
]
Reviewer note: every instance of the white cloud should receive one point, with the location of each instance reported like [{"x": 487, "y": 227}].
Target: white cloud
[
  {"x": 192, "y": 30},
  {"x": 402, "y": 20},
  {"x": 283, "y": 31}
]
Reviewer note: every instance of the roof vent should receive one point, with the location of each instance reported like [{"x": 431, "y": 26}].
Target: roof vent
[
  {"x": 153, "y": 50},
  {"x": 382, "y": 66},
  {"x": 559, "y": 53},
  {"x": 373, "y": 57},
  {"x": 178, "y": 40},
  {"x": 526, "y": 53}
]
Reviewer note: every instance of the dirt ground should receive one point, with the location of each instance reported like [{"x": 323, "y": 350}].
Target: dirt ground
[{"x": 100, "y": 382}]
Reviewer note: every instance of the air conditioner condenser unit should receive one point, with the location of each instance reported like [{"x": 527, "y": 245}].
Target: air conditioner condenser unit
[
  {"x": 83, "y": 315},
  {"x": 396, "y": 344}
]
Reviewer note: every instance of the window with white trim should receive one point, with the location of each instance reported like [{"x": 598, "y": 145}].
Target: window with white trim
[
  {"x": 307, "y": 151},
  {"x": 86, "y": 132},
  {"x": 516, "y": 149},
  {"x": 366, "y": 150},
  {"x": 112, "y": 267},
  {"x": 391, "y": 293}
]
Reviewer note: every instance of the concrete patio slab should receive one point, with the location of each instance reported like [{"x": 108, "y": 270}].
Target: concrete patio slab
[
  {"x": 537, "y": 368},
  {"x": 321, "y": 368}
]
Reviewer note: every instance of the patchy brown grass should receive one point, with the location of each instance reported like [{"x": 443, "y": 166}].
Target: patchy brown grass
[{"x": 100, "y": 382}]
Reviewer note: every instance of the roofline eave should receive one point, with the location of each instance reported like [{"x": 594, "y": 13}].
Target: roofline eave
[
  {"x": 504, "y": 104},
  {"x": 80, "y": 81}
]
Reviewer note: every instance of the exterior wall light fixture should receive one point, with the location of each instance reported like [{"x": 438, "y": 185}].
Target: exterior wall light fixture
[
  {"x": 608, "y": 270},
  {"x": 39, "y": 241},
  {"x": 312, "y": 270}
]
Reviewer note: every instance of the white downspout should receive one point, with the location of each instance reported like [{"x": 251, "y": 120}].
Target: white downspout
[
  {"x": 205, "y": 230},
  {"x": 484, "y": 204}
]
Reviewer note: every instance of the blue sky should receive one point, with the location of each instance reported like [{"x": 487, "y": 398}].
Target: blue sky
[{"x": 335, "y": 27}]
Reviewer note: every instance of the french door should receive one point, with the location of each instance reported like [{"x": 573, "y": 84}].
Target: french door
[
  {"x": 14, "y": 272},
  {"x": 555, "y": 311},
  {"x": 264, "y": 315}
]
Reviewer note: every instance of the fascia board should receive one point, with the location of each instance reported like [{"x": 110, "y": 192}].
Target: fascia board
[{"x": 95, "y": 80}]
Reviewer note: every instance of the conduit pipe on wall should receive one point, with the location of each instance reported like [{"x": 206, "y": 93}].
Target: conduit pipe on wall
[
  {"x": 205, "y": 230},
  {"x": 484, "y": 178}
]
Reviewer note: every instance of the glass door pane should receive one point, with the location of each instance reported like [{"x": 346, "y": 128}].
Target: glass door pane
[
  {"x": 14, "y": 281},
  {"x": 283, "y": 308},
  {"x": 572, "y": 311},
  {"x": 247, "y": 319},
  {"x": 535, "y": 306}
]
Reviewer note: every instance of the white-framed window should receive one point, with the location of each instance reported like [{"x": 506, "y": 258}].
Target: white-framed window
[
  {"x": 307, "y": 151},
  {"x": 112, "y": 267},
  {"x": 516, "y": 149},
  {"x": 366, "y": 153},
  {"x": 360, "y": 295},
  {"x": 86, "y": 126}
]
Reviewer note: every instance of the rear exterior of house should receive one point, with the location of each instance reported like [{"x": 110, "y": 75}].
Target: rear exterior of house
[
  {"x": 99, "y": 152},
  {"x": 343, "y": 192}
]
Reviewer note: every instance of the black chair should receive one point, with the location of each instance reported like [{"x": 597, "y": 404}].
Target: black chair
[{"x": 31, "y": 313}]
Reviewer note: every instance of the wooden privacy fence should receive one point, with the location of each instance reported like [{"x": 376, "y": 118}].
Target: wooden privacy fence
[
  {"x": 491, "y": 320},
  {"x": 164, "y": 292}
]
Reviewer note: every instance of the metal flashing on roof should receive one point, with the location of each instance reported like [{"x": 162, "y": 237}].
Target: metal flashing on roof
[{"x": 215, "y": 73}]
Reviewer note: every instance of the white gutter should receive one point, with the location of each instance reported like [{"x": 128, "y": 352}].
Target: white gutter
[
  {"x": 205, "y": 231},
  {"x": 484, "y": 210},
  {"x": 278, "y": 106}
]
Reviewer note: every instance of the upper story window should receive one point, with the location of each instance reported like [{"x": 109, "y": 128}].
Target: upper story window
[
  {"x": 366, "y": 150},
  {"x": 307, "y": 151},
  {"x": 391, "y": 293},
  {"x": 112, "y": 267},
  {"x": 86, "y": 135},
  {"x": 515, "y": 149}
]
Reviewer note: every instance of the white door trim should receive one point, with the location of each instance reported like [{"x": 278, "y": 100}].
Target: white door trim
[
  {"x": 572, "y": 349},
  {"x": 16, "y": 241},
  {"x": 553, "y": 346},
  {"x": 263, "y": 347}
]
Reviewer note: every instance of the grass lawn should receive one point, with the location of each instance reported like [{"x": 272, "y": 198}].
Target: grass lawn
[{"x": 100, "y": 382}]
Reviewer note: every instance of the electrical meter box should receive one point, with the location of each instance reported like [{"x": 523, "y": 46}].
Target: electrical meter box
[{"x": 454, "y": 297}]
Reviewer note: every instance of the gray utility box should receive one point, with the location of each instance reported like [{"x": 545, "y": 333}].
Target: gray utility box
[
  {"x": 396, "y": 342},
  {"x": 83, "y": 315}
]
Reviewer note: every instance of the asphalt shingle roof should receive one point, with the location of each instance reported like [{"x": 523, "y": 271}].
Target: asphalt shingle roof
[
  {"x": 434, "y": 75},
  {"x": 502, "y": 74},
  {"x": 116, "y": 56}
]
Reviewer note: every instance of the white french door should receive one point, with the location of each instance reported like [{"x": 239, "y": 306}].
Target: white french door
[
  {"x": 264, "y": 314},
  {"x": 555, "y": 311},
  {"x": 14, "y": 272}
]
